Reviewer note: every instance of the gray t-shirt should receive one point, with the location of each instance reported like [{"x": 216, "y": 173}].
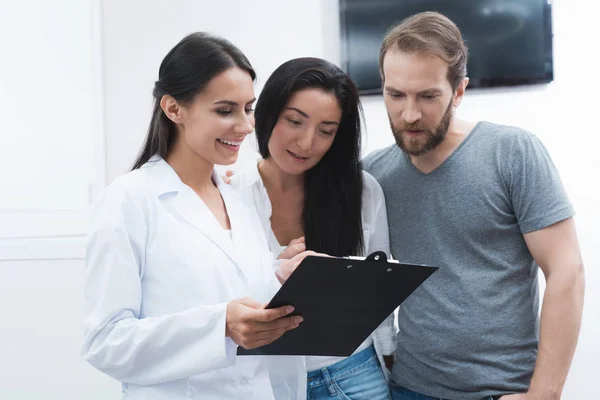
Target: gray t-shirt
[{"x": 471, "y": 330}]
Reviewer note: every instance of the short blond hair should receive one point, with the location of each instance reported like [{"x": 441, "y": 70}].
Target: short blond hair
[{"x": 429, "y": 33}]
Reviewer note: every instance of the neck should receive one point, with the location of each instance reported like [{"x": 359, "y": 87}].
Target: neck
[
  {"x": 457, "y": 133},
  {"x": 277, "y": 179},
  {"x": 193, "y": 170}
]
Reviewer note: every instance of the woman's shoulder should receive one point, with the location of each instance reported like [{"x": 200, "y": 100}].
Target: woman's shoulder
[
  {"x": 128, "y": 193},
  {"x": 372, "y": 199},
  {"x": 246, "y": 176},
  {"x": 371, "y": 188},
  {"x": 131, "y": 183}
]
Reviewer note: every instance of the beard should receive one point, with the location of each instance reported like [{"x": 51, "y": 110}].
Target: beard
[{"x": 434, "y": 136}]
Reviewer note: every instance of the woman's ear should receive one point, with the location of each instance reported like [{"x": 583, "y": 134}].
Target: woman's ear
[{"x": 171, "y": 108}]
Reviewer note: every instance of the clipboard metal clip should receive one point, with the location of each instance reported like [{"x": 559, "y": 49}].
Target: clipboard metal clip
[{"x": 377, "y": 256}]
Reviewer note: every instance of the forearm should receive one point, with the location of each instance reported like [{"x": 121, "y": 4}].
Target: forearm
[
  {"x": 159, "y": 349},
  {"x": 559, "y": 330}
]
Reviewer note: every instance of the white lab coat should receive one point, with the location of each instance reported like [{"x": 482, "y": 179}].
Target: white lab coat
[
  {"x": 159, "y": 273},
  {"x": 288, "y": 374}
]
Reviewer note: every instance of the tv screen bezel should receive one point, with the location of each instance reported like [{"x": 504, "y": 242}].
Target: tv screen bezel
[{"x": 474, "y": 83}]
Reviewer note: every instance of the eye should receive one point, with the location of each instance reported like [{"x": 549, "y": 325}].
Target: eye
[
  {"x": 396, "y": 95},
  {"x": 326, "y": 132},
  {"x": 429, "y": 96},
  {"x": 294, "y": 121},
  {"x": 223, "y": 112},
  {"x": 249, "y": 110}
]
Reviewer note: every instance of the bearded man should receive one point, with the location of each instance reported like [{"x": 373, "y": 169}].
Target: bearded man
[{"x": 484, "y": 203}]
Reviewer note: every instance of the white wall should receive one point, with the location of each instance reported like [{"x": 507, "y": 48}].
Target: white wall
[
  {"x": 271, "y": 31},
  {"x": 47, "y": 99},
  {"x": 51, "y": 163},
  {"x": 40, "y": 305},
  {"x": 40, "y": 299},
  {"x": 137, "y": 34}
]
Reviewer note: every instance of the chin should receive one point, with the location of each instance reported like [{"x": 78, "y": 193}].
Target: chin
[
  {"x": 225, "y": 160},
  {"x": 295, "y": 171}
]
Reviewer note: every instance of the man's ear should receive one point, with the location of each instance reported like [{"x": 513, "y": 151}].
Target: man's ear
[{"x": 460, "y": 92}]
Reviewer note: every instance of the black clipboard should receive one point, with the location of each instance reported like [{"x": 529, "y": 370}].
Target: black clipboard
[{"x": 342, "y": 302}]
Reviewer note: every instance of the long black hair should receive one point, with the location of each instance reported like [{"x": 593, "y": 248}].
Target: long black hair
[
  {"x": 184, "y": 72},
  {"x": 331, "y": 216}
]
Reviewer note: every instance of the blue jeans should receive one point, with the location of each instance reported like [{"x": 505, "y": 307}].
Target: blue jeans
[
  {"x": 358, "y": 377},
  {"x": 402, "y": 393}
]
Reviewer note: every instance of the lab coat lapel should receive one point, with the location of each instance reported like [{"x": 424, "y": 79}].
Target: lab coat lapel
[
  {"x": 243, "y": 233},
  {"x": 189, "y": 205}
]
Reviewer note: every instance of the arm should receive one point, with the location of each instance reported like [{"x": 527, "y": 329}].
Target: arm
[
  {"x": 544, "y": 215},
  {"x": 556, "y": 250},
  {"x": 117, "y": 340}
]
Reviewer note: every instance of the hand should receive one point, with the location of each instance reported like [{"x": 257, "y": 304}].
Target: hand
[
  {"x": 295, "y": 247},
  {"x": 227, "y": 178},
  {"x": 389, "y": 362},
  {"x": 250, "y": 325},
  {"x": 287, "y": 267}
]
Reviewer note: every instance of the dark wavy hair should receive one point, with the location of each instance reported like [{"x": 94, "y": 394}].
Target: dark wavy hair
[
  {"x": 184, "y": 72},
  {"x": 331, "y": 216}
]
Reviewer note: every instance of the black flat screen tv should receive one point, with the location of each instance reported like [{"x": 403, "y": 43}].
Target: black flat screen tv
[{"x": 509, "y": 41}]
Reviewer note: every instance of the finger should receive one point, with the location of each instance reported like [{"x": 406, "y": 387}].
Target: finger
[
  {"x": 251, "y": 303},
  {"x": 297, "y": 240},
  {"x": 271, "y": 314},
  {"x": 301, "y": 256},
  {"x": 274, "y": 333},
  {"x": 280, "y": 333},
  {"x": 292, "y": 250},
  {"x": 227, "y": 180},
  {"x": 299, "y": 247},
  {"x": 315, "y": 254},
  {"x": 264, "y": 342},
  {"x": 281, "y": 323},
  {"x": 322, "y": 255},
  {"x": 229, "y": 173}
]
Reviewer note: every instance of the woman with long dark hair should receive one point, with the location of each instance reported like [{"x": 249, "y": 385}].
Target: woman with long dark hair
[
  {"x": 311, "y": 193},
  {"x": 177, "y": 268}
]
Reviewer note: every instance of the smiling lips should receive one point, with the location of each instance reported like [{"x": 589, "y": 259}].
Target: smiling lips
[
  {"x": 233, "y": 145},
  {"x": 297, "y": 156}
]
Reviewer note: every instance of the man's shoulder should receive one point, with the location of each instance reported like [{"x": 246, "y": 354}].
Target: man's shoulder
[
  {"x": 506, "y": 134},
  {"x": 380, "y": 160}
]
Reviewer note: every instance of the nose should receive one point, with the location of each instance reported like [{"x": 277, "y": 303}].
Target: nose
[
  {"x": 305, "y": 140},
  {"x": 245, "y": 125},
  {"x": 411, "y": 113}
]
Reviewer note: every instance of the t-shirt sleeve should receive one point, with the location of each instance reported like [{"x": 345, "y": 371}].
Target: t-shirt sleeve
[
  {"x": 535, "y": 188},
  {"x": 369, "y": 161}
]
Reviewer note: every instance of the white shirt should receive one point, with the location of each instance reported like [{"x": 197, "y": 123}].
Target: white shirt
[
  {"x": 160, "y": 271},
  {"x": 375, "y": 235}
]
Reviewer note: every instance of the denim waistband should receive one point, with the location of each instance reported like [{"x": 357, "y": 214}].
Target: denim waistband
[{"x": 343, "y": 368}]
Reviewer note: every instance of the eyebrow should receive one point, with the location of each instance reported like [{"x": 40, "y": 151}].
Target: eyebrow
[
  {"x": 426, "y": 91},
  {"x": 305, "y": 115},
  {"x": 232, "y": 103},
  {"x": 430, "y": 91}
]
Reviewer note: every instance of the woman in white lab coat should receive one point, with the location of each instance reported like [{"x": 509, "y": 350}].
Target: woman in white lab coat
[
  {"x": 310, "y": 192},
  {"x": 177, "y": 268}
]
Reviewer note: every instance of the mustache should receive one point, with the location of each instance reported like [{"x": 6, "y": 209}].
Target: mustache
[{"x": 416, "y": 126}]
